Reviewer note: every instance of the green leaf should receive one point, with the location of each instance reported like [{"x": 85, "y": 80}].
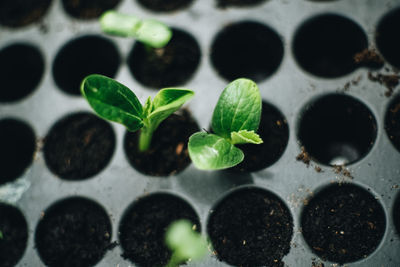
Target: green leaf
[
  {"x": 153, "y": 33},
  {"x": 113, "y": 101},
  {"x": 212, "y": 152},
  {"x": 245, "y": 137},
  {"x": 1, "y": 235},
  {"x": 238, "y": 108}
]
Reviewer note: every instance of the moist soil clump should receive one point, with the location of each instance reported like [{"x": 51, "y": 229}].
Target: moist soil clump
[
  {"x": 238, "y": 3},
  {"x": 79, "y": 146},
  {"x": 392, "y": 122},
  {"x": 304, "y": 156},
  {"x": 343, "y": 223},
  {"x": 88, "y": 9},
  {"x": 168, "y": 153},
  {"x": 19, "y": 13},
  {"x": 143, "y": 226},
  {"x": 171, "y": 65},
  {"x": 165, "y": 5},
  {"x": 73, "y": 232},
  {"x": 251, "y": 227},
  {"x": 390, "y": 81},
  {"x": 370, "y": 58},
  {"x": 14, "y": 235}
]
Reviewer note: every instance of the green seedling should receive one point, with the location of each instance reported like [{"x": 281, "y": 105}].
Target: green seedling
[
  {"x": 184, "y": 242},
  {"x": 1, "y": 235},
  {"x": 235, "y": 120},
  {"x": 148, "y": 31},
  {"x": 114, "y": 101}
]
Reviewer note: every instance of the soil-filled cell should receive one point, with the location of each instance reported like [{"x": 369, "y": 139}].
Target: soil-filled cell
[
  {"x": 88, "y": 9},
  {"x": 13, "y": 235},
  {"x": 172, "y": 65},
  {"x": 168, "y": 153},
  {"x": 337, "y": 129},
  {"x": 19, "y": 13},
  {"x": 251, "y": 227},
  {"x": 238, "y": 3},
  {"x": 21, "y": 70},
  {"x": 326, "y": 45},
  {"x": 343, "y": 223},
  {"x": 165, "y": 5},
  {"x": 392, "y": 122},
  {"x": 246, "y": 50},
  {"x": 83, "y": 56},
  {"x": 79, "y": 146},
  {"x": 144, "y": 224},
  {"x": 73, "y": 232},
  {"x": 18, "y": 144}
]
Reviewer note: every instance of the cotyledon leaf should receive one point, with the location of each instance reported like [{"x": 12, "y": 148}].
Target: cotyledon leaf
[{"x": 245, "y": 137}]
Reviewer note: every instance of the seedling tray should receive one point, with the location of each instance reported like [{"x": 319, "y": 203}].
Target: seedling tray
[{"x": 304, "y": 93}]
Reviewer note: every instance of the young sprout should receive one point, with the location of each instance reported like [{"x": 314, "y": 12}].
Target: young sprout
[
  {"x": 1, "y": 235},
  {"x": 148, "y": 31},
  {"x": 185, "y": 243},
  {"x": 235, "y": 120},
  {"x": 113, "y": 101}
]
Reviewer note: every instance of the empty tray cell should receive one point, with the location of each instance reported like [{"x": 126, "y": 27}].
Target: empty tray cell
[
  {"x": 21, "y": 70},
  {"x": 79, "y": 146},
  {"x": 83, "y": 56},
  {"x": 18, "y": 13},
  {"x": 337, "y": 129},
  {"x": 238, "y": 3},
  {"x": 18, "y": 144},
  {"x": 392, "y": 122},
  {"x": 343, "y": 223},
  {"x": 88, "y": 9},
  {"x": 144, "y": 224},
  {"x": 165, "y": 5},
  {"x": 172, "y": 65}
]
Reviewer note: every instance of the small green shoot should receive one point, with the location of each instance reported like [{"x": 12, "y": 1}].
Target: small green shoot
[
  {"x": 1, "y": 235},
  {"x": 148, "y": 31},
  {"x": 235, "y": 120},
  {"x": 114, "y": 101},
  {"x": 185, "y": 243}
]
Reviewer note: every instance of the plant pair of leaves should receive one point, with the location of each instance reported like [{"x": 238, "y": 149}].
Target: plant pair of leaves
[{"x": 235, "y": 120}]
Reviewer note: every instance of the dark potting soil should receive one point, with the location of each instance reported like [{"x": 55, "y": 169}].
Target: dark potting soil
[
  {"x": 14, "y": 231},
  {"x": 343, "y": 223},
  {"x": 251, "y": 227},
  {"x": 143, "y": 226},
  {"x": 165, "y": 5},
  {"x": 274, "y": 131},
  {"x": 18, "y": 13},
  {"x": 88, "y": 9},
  {"x": 83, "y": 56},
  {"x": 392, "y": 122},
  {"x": 238, "y": 3},
  {"x": 21, "y": 69},
  {"x": 258, "y": 51},
  {"x": 18, "y": 144},
  {"x": 73, "y": 232},
  {"x": 79, "y": 146},
  {"x": 168, "y": 153},
  {"x": 172, "y": 65}
]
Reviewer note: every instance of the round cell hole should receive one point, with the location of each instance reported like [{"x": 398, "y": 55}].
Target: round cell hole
[
  {"x": 171, "y": 65},
  {"x": 274, "y": 131},
  {"x": 251, "y": 227},
  {"x": 88, "y": 9},
  {"x": 326, "y": 45},
  {"x": 168, "y": 153},
  {"x": 143, "y": 226},
  {"x": 73, "y": 232},
  {"x": 79, "y": 146},
  {"x": 165, "y": 5},
  {"x": 81, "y": 57},
  {"x": 14, "y": 235},
  {"x": 396, "y": 213},
  {"x": 19, "y": 13},
  {"x": 21, "y": 69},
  {"x": 246, "y": 50},
  {"x": 392, "y": 122},
  {"x": 387, "y": 39},
  {"x": 343, "y": 223},
  {"x": 18, "y": 144},
  {"x": 238, "y": 3},
  {"x": 337, "y": 130}
]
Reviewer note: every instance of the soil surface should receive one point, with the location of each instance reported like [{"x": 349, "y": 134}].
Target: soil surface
[
  {"x": 18, "y": 144},
  {"x": 143, "y": 226},
  {"x": 343, "y": 223},
  {"x": 172, "y": 65},
  {"x": 21, "y": 69},
  {"x": 251, "y": 227},
  {"x": 168, "y": 153},
  {"x": 79, "y": 146},
  {"x": 238, "y": 3},
  {"x": 274, "y": 131},
  {"x": 392, "y": 122},
  {"x": 88, "y": 9},
  {"x": 73, "y": 232},
  {"x": 18, "y": 13},
  {"x": 165, "y": 5},
  {"x": 14, "y": 238}
]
